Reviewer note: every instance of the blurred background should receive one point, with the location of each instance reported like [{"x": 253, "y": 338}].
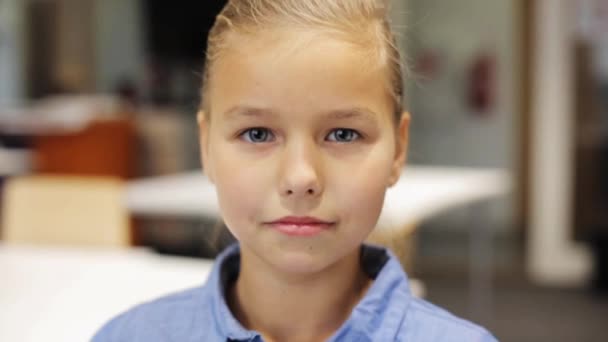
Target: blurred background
[{"x": 509, "y": 103}]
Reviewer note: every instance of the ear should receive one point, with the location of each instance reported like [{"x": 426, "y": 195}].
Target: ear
[
  {"x": 402, "y": 141},
  {"x": 203, "y": 128}
]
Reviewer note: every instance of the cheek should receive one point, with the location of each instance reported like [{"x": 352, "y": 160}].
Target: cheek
[
  {"x": 240, "y": 199},
  {"x": 361, "y": 194}
]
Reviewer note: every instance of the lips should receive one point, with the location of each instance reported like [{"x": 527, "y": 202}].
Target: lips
[
  {"x": 300, "y": 220},
  {"x": 300, "y": 225}
]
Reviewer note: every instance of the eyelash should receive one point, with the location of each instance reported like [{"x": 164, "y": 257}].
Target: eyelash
[{"x": 245, "y": 134}]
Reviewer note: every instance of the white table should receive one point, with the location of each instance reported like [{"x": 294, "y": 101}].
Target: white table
[
  {"x": 421, "y": 192},
  {"x": 58, "y": 114},
  {"x": 59, "y": 294},
  {"x": 67, "y": 294}
]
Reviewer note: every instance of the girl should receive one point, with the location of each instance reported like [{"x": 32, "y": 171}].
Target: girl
[{"x": 302, "y": 131}]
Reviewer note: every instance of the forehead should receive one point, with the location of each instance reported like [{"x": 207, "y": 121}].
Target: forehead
[{"x": 298, "y": 70}]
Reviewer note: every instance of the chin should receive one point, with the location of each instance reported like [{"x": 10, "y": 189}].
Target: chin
[{"x": 301, "y": 262}]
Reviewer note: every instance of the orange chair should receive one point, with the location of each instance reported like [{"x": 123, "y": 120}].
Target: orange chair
[{"x": 103, "y": 148}]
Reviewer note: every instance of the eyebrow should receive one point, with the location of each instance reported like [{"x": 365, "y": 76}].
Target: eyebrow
[
  {"x": 240, "y": 111},
  {"x": 356, "y": 113}
]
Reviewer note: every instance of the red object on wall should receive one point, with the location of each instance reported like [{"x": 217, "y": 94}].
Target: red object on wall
[
  {"x": 482, "y": 84},
  {"x": 427, "y": 65}
]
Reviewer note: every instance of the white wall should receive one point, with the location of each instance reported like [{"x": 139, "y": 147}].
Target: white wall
[
  {"x": 12, "y": 52},
  {"x": 445, "y": 130},
  {"x": 553, "y": 258}
]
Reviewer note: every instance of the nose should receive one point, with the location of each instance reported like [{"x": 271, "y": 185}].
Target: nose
[{"x": 300, "y": 171}]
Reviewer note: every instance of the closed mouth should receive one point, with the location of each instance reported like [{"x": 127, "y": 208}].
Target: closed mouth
[
  {"x": 301, "y": 221},
  {"x": 301, "y": 227}
]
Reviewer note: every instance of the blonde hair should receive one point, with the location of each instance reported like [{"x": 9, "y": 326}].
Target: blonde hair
[{"x": 359, "y": 21}]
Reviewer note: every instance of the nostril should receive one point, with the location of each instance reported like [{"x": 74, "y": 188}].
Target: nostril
[{"x": 309, "y": 192}]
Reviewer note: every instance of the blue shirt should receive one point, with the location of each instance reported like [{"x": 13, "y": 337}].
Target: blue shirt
[{"x": 387, "y": 312}]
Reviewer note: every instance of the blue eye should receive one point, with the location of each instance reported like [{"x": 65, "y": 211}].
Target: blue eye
[
  {"x": 343, "y": 135},
  {"x": 257, "y": 135}
]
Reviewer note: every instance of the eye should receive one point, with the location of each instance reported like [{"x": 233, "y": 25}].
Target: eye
[
  {"x": 257, "y": 135},
  {"x": 343, "y": 135}
]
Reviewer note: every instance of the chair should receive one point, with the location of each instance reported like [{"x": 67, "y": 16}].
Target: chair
[
  {"x": 105, "y": 147},
  {"x": 65, "y": 210}
]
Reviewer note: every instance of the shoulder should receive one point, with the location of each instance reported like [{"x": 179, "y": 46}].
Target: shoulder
[
  {"x": 175, "y": 317},
  {"x": 427, "y": 322}
]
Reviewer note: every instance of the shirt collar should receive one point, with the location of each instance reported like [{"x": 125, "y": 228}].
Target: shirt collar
[
  {"x": 381, "y": 312},
  {"x": 225, "y": 271},
  {"x": 383, "y": 307}
]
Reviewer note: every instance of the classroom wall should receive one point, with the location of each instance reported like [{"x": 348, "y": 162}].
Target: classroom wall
[
  {"x": 107, "y": 45},
  {"x": 12, "y": 52},
  {"x": 119, "y": 43},
  {"x": 445, "y": 130}
]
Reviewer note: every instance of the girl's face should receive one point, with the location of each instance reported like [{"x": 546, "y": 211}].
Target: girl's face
[{"x": 304, "y": 132}]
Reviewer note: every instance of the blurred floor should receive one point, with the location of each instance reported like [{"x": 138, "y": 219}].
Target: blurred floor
[{"x": 520, "y": 311}]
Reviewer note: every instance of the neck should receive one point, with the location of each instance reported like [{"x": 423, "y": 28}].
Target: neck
[{"x": 288, "y": 307}]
